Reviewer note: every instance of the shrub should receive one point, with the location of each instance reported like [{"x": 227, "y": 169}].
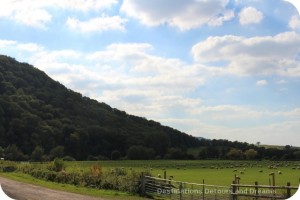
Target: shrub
[
  {"x": 7, "y": 166},
  {"x": 69, "y": 158},
  {"x": 57, "y": 165},
  {"x": 96, "y": 170}
]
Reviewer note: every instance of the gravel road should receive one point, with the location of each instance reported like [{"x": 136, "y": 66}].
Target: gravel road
[{"x": 24, "y": 191}]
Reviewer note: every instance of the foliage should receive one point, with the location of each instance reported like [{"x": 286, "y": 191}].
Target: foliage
[
  {"x": 115, "y": 179},
  {"x": 38, "y": 111},
  {"x": 57, "y": 165},
  {"x": 12, "y": 152},
  {"x": 37, "y": 154},
  {"x": 140, "y": 153},
  {"x": 68, "y": 158},
  {"x": 57, "y": 152},
  {"x": 7, "y": 166},
  {"x": 115, "y": 155},
  {"x": 1, "y": 152},
  {"x": 235, "y": 154},
  {"x": 250, "y": 154}
]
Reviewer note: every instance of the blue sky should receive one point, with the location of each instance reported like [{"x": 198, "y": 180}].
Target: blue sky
[{"x": 224, "y": 69}]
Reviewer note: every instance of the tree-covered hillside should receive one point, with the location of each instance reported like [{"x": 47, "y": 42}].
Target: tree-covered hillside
[
  {"x": 41, "y": 119},
  {"x": 40, "y": 115}
]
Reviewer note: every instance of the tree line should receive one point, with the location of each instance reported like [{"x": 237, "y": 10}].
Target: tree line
[
  {"x": 41, "y": 119},
  {"x": 38, "y": 112}
]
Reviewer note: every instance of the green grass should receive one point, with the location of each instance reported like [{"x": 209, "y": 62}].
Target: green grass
[
  {"x": 195, "y": 171},
  {"x": 107, "y": 194},
  {"x": 213, "y": 172}
]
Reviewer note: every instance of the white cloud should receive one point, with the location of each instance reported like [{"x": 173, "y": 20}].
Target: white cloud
[
  {"x": 250, "y": 15},
  {"x": 219, "y": 20},
  {"x": 5, "y": 43},
  {"x": 84, "y": 5},
  {"x": 129, "y": 77},
  {"x": 222, "y": 122},
  {"x": 252, "y": 56},
  {"x": 261, "y": 82},
  {"x": 98, "y": 24},
  {"x": 266, "y": 134},
  {"x": 294, "y": 22},
  {"x": 184, "y": 14},
  {"x": 227, "y": 113},
  {"x": 281, "y": 81},
  {"x": 31, "y": 47},
  {"x": 36, "y": 18},
  {"x": 35, "y": 12}
]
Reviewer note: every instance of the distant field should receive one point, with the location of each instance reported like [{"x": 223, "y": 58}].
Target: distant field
[{"x": 212, "y": 171}]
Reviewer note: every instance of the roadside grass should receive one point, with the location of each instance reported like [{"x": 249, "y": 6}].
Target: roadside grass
[{"x": 107, "y": 194}]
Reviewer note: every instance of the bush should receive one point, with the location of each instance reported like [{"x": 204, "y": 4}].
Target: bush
[
  {"x": 115, "y": 179},
  {"x": 68, "y": 158},
  {"x": 7, "y": 166},
  {"x": 96, "y": 170},
  {"x": 57, "y": 165}
]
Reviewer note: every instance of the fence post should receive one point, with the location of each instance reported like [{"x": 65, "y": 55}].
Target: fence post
[
  {"x": 180, "y": 191},
  {"x": 165, "y": 176},
  {"x": 143, "y": 184},
  {"x": 256, "y": 190},
  {"x": 203, "y": 190},
  {"x": 192, "y": 192},
  {"x": 233, "y": 191},
  {"x": 288, "y": 192}
]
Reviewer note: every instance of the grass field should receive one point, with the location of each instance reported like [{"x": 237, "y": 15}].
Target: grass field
[{"x": 212, "y": 171}]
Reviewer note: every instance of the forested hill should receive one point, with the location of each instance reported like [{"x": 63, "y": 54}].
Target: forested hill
[{"x": 40, "y": 115}]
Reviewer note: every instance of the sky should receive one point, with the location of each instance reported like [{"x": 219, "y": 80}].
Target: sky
[{"x": 218, "y": 69}]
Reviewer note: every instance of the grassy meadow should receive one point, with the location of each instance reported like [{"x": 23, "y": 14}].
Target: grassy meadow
[
  {"x": 213, "y": 172},
  {"x": 127, "y": 173}
]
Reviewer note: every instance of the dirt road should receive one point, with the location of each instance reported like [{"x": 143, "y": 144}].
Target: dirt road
[{"x": 24, "y": 191}]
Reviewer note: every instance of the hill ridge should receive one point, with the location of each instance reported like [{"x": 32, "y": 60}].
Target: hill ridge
[{"x": 35, "y": 111}]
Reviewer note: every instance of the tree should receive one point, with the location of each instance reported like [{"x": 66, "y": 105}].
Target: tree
[
  {"x": 235, "y": 154},
  {"x": 176, "y": 153},
  {"x": 37, "y": 154},
  {"x": 297, "y": 155},
  {"x": 115, "y": 155},
  {"x": 251, "y": 154},
  {"x": 57, "y": 152},
  {"x": 1, "y": 152},
  {"x": 140, "y": 153},
  {"x": 202, "y": 154},
  {"x": 13, "y": 153}
]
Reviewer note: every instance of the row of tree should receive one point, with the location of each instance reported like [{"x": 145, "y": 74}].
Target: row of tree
[{"x": 138, "y": 152}]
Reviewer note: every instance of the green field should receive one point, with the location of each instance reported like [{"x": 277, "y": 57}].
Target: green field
[{"x": 213, "y": 172}]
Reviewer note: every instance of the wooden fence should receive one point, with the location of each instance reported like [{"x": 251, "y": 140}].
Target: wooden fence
[
  {"x": 261, "y": 191},
  {"x": 160, "y": 188}
]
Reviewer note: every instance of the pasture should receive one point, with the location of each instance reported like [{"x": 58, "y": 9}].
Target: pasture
[{"x": 214, "y": 172}]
